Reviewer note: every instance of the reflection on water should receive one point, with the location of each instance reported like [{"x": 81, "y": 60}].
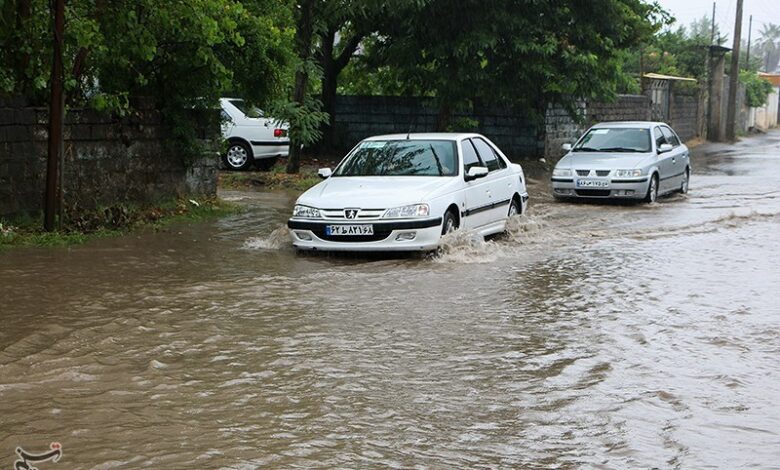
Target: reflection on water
[{"x": 604, "y": 336}]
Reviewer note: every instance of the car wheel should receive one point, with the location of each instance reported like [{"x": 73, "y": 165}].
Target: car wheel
[
  {"x": 652, "y": 190},
  {"x": 238, "y": 156},
  {"x": 685, "y": 182},
  {"x": 449, "y": 224},
  {"x": 265, "y": 164},
  {"x": 514, "y": 208}
]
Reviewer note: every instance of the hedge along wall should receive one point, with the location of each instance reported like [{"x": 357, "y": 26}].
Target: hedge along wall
[{"x": 108, "y": 160}]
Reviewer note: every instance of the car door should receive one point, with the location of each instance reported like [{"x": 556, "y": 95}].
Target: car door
[
  {"x": 665, "y": 171},
  {"x": 498, "y": 182},
  {"x": 678, "y": 155},
  {"x": 255, "y": 128},
  {"x": 477, "y": 192}
]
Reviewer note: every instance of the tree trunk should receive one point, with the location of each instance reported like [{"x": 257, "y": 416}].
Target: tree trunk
[
  {"x": 444, "y": 118},
  {"x": 56, "y": 119},
  {"x": 303, "y": 44},
  {"x": 329, "y": 82}
]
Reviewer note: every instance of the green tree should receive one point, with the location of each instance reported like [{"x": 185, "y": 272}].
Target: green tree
[
  {"x": 521, "y": 54},
  {"x": 769, "y": 46}
]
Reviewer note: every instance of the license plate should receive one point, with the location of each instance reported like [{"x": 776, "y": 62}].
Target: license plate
[
  {"x": 342, "y": 230},
  {"x": 592, "y": 183}
]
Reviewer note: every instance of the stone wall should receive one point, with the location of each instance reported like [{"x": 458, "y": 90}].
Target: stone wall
[
  {"x": 561, "y": 128},
  {"x": 108, "y": 160},
  {"x": 358, "y": 117}
]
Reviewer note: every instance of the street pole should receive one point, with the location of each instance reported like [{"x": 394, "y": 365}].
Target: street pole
[
  {"x": 731, "y": 116},
  {"x": 750, "y": 38},
  {"x": 712, "y": 28},
  {"x": 56, "y": 119}
]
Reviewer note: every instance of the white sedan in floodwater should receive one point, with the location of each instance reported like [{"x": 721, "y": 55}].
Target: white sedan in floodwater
[
  {"x": 631, "y": 160},
  {"x": 403, "y": 192}
]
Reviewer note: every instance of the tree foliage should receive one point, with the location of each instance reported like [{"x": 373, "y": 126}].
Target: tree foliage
[{"x": 757, "y": 89}]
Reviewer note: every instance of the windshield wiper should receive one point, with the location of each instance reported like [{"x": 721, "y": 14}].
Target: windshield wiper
[
  {"x": 586, "y": 149},
  {"x": 438, "y": 162},
  {"x": 620, "y": 149}
]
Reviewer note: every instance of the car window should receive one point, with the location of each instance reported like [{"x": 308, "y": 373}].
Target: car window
[
  {"x": 659, "y": 137},
  {"x": 615, "y": 139},
  {"x": 249, "y": 111},
  {"x": 670, "y": 136},
  {"x": 400, "y": 158},
  {"x": 487, "y": 154},
  {"x": 470, "y": 157}
]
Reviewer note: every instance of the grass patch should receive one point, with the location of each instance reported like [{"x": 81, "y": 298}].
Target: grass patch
[
  {"x": 84, "y": 225},
  {"x": 274, "y": 179}
]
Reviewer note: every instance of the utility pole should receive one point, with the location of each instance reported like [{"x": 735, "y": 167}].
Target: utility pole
[
  {"x": 56, "y": 119},
  {"x": 750, "y": 38},
  {"x": 731, "y": 116},
  {"x": 712, "y": 28}
]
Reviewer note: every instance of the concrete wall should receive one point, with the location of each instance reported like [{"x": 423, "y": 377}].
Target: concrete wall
[
  {"x": 358, "y": 117},
  {"x": 108, "y": 160},
  {"x": 765, "y": 117},
  {"x": 518, "y": 136}
]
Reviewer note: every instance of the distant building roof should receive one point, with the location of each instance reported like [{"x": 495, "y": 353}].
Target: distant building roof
[
  {"x": 773, "y": 78},
  {"x": 658, "y": 76}
]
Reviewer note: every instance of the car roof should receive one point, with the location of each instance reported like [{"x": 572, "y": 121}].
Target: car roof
[
  {"x": 425, "y": 136},
  {"x": 640, "y": 124}
]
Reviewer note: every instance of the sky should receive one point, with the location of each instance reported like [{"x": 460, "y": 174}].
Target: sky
[{"x": 763, "y": 11}]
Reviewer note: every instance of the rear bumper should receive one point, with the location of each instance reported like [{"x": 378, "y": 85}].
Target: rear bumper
[
  {"x": 415, "y": 235},
  {"x": 270, "y": 149},
  {"x": 629, "y": 188}
]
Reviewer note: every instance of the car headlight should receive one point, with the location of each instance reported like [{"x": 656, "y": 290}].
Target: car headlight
[
  {"x": 561, "y": 172},
  {"x": 306, "y": 212},
  {"x": 627, "y": 173},
  {"x": 413, "y": 210}
]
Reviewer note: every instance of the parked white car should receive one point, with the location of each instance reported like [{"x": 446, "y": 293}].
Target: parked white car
[
  {"x": 631, "y": 160},
  {"x": 251, "y": 138},
  {"x": 403, "y": 192}
]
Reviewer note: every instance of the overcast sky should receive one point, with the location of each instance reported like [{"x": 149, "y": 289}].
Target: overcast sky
[{"x": 763, "y": 11}]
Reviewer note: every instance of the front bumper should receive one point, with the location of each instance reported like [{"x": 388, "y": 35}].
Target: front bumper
[
  {"x": 628, "y": 188},
  {"x": 310, "y": 235}
]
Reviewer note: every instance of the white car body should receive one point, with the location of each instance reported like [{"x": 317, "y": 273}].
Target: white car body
[
  {"x": 260, "y": 138},
  {"x": 481, "y": 205}
]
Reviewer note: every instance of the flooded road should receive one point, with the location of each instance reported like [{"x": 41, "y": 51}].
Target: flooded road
[{"x": 592, "y": 335}]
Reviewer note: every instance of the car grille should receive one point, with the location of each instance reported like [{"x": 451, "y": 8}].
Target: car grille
[
  {"x": 583, "y": 172},
  {"x": 593, "y": 192},
  {"x": 363, "y": 214},
  {"x": 602, "y": 172}
]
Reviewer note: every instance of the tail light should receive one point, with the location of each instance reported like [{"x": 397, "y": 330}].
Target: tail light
[{"x": 280, "y": 133}]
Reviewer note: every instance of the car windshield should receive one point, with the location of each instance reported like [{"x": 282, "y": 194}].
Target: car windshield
[
  {"x": 619, "y": 139},
  {"x": 400, "y": 158}
]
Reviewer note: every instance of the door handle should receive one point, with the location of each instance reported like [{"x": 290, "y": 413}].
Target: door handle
[{"x": 674, "y": 160}]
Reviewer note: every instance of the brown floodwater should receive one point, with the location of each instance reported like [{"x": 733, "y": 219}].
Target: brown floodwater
[{"x": 591, "y": 335}]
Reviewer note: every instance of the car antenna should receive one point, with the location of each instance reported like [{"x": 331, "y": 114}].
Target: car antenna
[{"x": 412, "y": 125}]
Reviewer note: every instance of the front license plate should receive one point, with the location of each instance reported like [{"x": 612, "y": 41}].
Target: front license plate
[
  {"x": 592, "y": 183},
  {"x": 337, "y": 230}
]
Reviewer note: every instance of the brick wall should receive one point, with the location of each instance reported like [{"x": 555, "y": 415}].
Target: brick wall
[
  {"x": 686, "y": 116},
  {"x": 108, "y": 160}
]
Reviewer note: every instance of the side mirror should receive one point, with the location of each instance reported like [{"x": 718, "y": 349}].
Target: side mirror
[
  {"x": 324, "y": 173},
  {"x": 476, "y": 172},
  {"x": 566, "y": 147},
  {"x": 665, "y": 148}
]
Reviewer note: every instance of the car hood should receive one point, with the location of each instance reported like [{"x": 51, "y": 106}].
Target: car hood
[
  {"x": 375, "y": 192},
  {"x": 596, "y": 160}
]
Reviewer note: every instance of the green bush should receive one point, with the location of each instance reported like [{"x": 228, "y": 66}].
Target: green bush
[{"x": 757, "y": 89}]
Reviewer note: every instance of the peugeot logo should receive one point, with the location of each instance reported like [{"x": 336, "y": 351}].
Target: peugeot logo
[{"x": 350, "y": 213}]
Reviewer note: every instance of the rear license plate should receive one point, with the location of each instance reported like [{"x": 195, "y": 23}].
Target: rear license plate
[
  {"x": 344, "y": 230},
  {"x": 592, "y": 183}
]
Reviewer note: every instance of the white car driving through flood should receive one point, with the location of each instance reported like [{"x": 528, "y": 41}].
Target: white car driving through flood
[
  {"x": 403, "y": 192},
  {"x": 632, "y": 160}
]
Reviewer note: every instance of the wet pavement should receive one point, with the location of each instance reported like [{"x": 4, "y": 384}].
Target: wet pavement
[{"x": 592, "y": 335}]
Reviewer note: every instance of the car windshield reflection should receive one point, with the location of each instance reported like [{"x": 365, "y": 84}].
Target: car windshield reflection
[
  {"x": 623, "y": 139},
  {"x": 401, "y": 158}
]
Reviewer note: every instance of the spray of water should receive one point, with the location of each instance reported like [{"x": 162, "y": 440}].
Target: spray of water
[{"x": 278, "y": 239}]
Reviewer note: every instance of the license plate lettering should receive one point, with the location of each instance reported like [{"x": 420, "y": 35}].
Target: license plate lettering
[
  {"x": 591, "y": 183},
  {"x": 346, "y": 230}
]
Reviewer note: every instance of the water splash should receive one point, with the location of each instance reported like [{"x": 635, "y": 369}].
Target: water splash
[{"x": 278, "y": 239}]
